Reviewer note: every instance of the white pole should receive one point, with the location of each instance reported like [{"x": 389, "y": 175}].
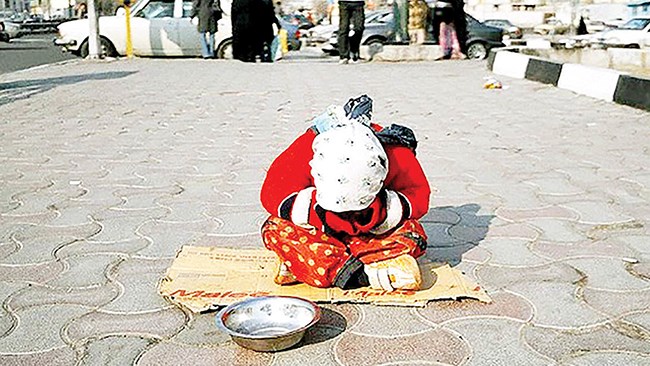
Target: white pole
[{"x": 93, "y": 36}]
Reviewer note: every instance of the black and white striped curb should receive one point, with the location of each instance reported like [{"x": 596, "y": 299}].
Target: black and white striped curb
[{"x": 596, "y": 82}]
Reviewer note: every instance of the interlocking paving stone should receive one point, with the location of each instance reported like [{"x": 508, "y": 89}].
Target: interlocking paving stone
[
  {"x": 201, "y": 330},
  {"x": 608, "y": 274},
  {"x": 554, "y": 212},
  {"x": 43, "y": 295},
  {"x": 511, "y": 252},
  {"x": 7, "y": 321},
  {"x": 611, "y": 359},
  {"x": 113, "y": 351},
  {"x": 561, "y": 345},
  {"x": 597, "y": 212},
  {"x": 616, "y": 303},
  {"x": 37, "y": 243},
  {"x": 171, "y": 354},
  {"x": 138, "y": 278},
  {"x": 168, "y": 237},
  {"x": 512, "y": 196},
  {"x": 387, "y": 322},
  {"x": 144, "y": 197},
  {"x": 559, "y": 251},
  {"x": 556, "y": 230},
  {"x": 34, "y": 273},
  {"x": 556, "y": 304},
  {"x": 84, "y": 271},
  {"x": 38, "y": 201},
  {"x": 555, "y": 186},
  {"x": 642, "y": 320},
  {"x": 155, "y": 325},
  {"x": 62, "y": 356},
  {"x": 120, "y": 229},
  {"x": 504, "y": 304},
  {"x": 642, "y": 269},
  {"x": 240, "y": 223},
  {"x": 513, "y": 230},
  {"x": 318, "y": 343},
  {"x": 637, "y": 242},
  {"x": 39, "y": 328},
  {"x": 483, "y": 334},
  {"x": 437, "y": 345},
  {"x": 83, "y": 247}
]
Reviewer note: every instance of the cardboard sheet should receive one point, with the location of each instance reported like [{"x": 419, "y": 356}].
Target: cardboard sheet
[{"x": 203, "y": 278}]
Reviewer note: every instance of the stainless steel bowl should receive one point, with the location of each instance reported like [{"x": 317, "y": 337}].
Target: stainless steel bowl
[{"x": 270, "y": 323}]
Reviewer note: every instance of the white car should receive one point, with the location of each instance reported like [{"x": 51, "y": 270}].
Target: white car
[
  {"x": 158, "y": 28},
  {"x": 633, "y": 34}
]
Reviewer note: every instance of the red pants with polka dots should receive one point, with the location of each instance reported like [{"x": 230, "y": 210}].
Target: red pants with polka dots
[{"x": 321, "y": 260}]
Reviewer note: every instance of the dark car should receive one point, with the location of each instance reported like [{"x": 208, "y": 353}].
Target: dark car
[
  {"x": 481, "y": 38},
  {"x": 512, "y": 30},
  {"x": 379, "y": 29}
]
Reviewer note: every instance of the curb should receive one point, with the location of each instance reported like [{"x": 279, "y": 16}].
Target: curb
[{"x": 601, "y": 83}]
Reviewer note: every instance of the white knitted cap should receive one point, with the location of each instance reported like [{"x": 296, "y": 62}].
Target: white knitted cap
[{"x": 349, "y": 167}]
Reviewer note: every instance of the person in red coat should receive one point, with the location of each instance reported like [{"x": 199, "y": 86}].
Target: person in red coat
[{"x": 344, "y": 200}]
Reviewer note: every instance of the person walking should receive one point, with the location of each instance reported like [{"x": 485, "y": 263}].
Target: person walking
[
  {"x": 266, "y": 19},
  {"x": 447, "y": 15},
  {"x": 418, "y": 21},
  {"x": 351, "y": 26},
  {"x": 252, "y": 29},
  {"x": 206, "y": 14}
]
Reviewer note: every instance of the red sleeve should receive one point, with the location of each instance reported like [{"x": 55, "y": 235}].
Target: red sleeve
[
  {"x": 288, "y": 174},
  {"x": 406, "y": 177}
]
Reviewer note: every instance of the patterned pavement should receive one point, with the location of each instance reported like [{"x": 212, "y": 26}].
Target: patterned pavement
[{"x": 109, "y": 167}]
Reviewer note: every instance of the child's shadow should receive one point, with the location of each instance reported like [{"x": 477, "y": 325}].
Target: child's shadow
[{"x": 453, "y": 231}]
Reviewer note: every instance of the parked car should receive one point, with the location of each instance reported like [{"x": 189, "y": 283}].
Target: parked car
[
  {"x": 379, "y": 30},
  {"x": 158, "y": 28},
  {"x": 550, "y": 27},
  {"x": 595, "y": 26},
  {"x": 9, "y": 30},
  {"x": 512, "y": 31},
  {"x": 481, "y": 38},
  {"x": 633, "y": 34}
]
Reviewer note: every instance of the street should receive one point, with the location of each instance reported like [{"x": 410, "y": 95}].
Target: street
[{"x": 29, "y": 51}]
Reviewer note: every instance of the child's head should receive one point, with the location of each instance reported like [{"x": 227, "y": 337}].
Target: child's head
[{"x": 349, "y": 167}]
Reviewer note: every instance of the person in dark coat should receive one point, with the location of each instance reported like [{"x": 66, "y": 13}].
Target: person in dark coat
[
  {"x": 266, "y": 32},
  {"x": 207, "y": 13},
  {"x": 582, "y": 27},
  {"x": 252, "y": 28}
]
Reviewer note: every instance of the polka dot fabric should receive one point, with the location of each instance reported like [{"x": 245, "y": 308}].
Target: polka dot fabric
[{"x": 316, "y": 258}]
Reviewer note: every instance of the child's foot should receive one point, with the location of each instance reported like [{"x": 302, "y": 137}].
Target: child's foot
[
  {"x": 284, "y": 276},
  {"x": 401, "y": 273}
]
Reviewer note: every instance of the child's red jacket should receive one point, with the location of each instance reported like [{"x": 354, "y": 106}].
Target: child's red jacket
[{"x": 289, "y": 192}]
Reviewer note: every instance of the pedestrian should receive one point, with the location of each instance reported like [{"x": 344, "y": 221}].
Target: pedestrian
[
  {"x": 344, "y": 200},
  {"x": 418, "y": 21},
  {"x": 266, "y": 20},
  {"x": 351, "y": 27},
  {"x": 582, "y": 27},
  {"x": 205, "y": 15},
  {"x": 446, "y": 18},
  {"x": 252, "y": 27}
]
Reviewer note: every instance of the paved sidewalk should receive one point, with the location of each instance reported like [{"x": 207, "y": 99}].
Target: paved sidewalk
[{"x": 108, "y": 168}]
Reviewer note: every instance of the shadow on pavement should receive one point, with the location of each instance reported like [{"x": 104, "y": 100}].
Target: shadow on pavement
[
  {"x": 453, "y": 231},
  {"x": 330, "y": 325},
  {"x": 23, "y": 89}
]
